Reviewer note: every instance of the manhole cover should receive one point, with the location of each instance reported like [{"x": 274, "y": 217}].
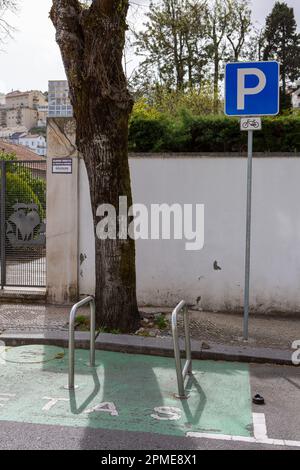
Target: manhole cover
[{"x": 32, "y": 354}]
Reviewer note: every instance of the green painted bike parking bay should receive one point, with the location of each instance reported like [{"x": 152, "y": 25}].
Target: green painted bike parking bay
[
  {"x": 31, "y": 355},
  {"x": 123, "y": 392}
]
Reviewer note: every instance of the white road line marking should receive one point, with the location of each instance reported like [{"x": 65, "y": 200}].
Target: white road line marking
[
  {"x": 292, "y": 443},
  {"x": 251, "y": 440},
  {"x": 220, "y": 437},
  {"x": 260, "y": 435},
  {"x": 259, "y": 426}
]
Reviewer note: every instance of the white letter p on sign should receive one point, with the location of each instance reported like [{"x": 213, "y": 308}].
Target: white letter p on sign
[{"x": 242, "y": 91}]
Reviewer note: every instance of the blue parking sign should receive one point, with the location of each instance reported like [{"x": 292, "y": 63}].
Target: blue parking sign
[{"x": 252, "y": 89}]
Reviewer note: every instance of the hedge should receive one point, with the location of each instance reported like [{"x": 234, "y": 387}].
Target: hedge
[{"x": 211, "y": 134}]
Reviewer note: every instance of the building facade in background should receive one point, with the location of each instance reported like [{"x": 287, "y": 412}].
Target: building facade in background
[
  {"x": 36, "y": 143},
  {"x": 7, "y": 133},
  {"x": 42, "y": 115},
  {"x": 59, "y": 104},
  {"x": 21, "y": 109}
]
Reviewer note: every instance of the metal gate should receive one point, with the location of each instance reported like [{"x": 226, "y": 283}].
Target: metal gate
[{"x": 22, "y": 223}]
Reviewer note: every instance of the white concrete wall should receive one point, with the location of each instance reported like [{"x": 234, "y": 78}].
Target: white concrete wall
[
  {"x": 166, "y": 273},
  {"x": 62, "y": 215},
  {"x": 86, "y": 236}
]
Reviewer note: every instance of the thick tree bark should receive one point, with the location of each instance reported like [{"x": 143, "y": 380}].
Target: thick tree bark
[{"x": 91, "y": 41}]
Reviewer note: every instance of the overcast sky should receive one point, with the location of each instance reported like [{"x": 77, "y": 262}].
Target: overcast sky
[{"x": 32, "y": 57}]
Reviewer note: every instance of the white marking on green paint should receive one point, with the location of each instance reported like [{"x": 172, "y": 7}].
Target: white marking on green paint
[
  {"x": 170, "y": 413},
  {"x": 31, "y": 354},
  {"x": 5, "y": 397},
  {"x": 138, "y": 387},
  {"x": 2, "y": 353},
  {"x": 103, "y": 408},
  {"x": 52, "y": 402}
]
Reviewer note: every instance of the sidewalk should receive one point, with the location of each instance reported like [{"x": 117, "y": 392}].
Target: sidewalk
[
  {"x": 27, "y": 317},
  {"x": 270, "y": 330},
  {"x": 215, "y": 335}
]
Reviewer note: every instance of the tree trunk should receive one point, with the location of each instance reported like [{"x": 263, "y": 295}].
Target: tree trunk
[
  {"x": 283, "y": 70},
  {"x": 103, "y": 143},
  {"x": 216, "y": 84},
  {"x": 91, "y": 42}
]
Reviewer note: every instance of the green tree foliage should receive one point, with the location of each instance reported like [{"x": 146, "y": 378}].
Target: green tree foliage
[
  {"x": 172, "y": 43},
  {"x": 217, "y": 18},
  {"x": 7, "y": 156},
  {"x": 39, "y": 130},
  {"x": 283, "y": 44},
  {"x": 21, "y": 186},
  {"x": 238, "y": 29},
  {"x": 185, "y": 43},
  {"x": 18, "y": 190}
]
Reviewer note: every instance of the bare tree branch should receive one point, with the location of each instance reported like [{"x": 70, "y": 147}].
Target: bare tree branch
[
  {"x": 65, "y": 16},
  {"x": 91, "y": 38},
  {"x": 6, "y": 29}
]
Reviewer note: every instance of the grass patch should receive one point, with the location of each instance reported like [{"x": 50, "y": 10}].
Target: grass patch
[
  {"x": 113, "y": 331},
  {"x": 161, "y": 322}
]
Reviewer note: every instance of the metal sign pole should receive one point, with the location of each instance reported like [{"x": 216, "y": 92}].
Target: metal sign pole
[
  {"x": 251, "y": 91},
  {"x": 248, "y": 236}
]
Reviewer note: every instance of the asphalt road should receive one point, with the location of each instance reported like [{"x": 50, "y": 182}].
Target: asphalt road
[
  {"x": 280, "y": 387},
  {"x": 15, "y": 436}
]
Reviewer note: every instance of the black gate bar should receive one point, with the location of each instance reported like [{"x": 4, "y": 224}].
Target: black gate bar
[
  {"x": 22, "y": 260},
  {"x": 2, "y": 223}
]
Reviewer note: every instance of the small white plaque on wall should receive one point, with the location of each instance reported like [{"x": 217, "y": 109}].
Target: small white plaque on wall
[{"x": 62, "y": 166}]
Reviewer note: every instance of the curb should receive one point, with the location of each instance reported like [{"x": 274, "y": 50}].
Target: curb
[
  {"x": 11, "y": 297},
  {"x": 152, "y": 346}
]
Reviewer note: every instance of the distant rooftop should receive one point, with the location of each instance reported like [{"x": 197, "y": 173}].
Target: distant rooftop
[
  {"x": 31, "y": 136},
  {"x": 22, "y": 153}
]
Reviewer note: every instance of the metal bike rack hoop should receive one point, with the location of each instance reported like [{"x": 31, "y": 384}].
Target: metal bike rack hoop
[
  {"x": 187, "y": 369},
  {"x": 91, "y": 301}
]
